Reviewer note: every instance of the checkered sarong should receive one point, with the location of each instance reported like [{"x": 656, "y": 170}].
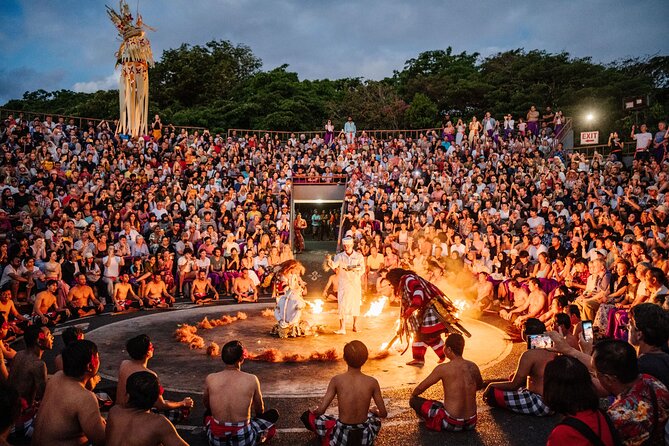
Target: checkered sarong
[
  {"x": 128, "y": 303},
  {"x": 437, "y": 419},
  {"x": 327, "y": 426},
  {"x": 519, "y": 401},
  {"x": 247, "y": 433},
  {"x": 416, "y": 294},
  {"x": 22, "y": 430},
  {"x": 430, "y": 318},
  {"x": 51, "y": 315}
]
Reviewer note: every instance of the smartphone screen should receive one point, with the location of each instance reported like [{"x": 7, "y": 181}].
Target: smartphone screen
[
  {"x": 587, "y": 331},
  {"x": 539, "y": 341}
]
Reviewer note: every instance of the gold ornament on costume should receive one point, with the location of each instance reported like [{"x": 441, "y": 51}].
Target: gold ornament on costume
[{"x": 135, "y": 58}]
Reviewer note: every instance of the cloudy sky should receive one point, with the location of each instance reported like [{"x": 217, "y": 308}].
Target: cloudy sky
[{"x": 71, "y": 43}]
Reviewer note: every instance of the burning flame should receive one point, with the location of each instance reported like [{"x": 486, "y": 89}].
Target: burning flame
[
  {"x": 376, "y": 308},
  {"x": 316, "y": 306},
  {"x": 385, "y": 345},
  {"x": 462, "y": 305}
]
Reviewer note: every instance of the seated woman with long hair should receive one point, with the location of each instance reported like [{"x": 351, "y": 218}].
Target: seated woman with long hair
[{"x": 569, "y": 390}]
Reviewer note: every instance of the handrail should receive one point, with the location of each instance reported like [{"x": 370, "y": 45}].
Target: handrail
[
  {"x": 377, "y": 133},
  {"x": 319, "y": 179},
  {"x": 31, "y": 115},
  {"x": 568, "y": 125},
  {"x": 628, "y": 149}
]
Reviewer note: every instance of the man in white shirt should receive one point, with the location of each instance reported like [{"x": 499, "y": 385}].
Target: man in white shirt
[
  {"x": 183, "y": 244},
  {"x": 536, "y": 248},
  {"x": 457, "y": 246},
  {"x": 112, "y": 264},
  {"x": 129, "y": 232},
  {"x": 561, "y": 211},
  {"x": 185, "y": 268},
  {"x": 535, "y": 220},
  {"x": 643, "y": 140},
  {"x": 159, "y": 210}
]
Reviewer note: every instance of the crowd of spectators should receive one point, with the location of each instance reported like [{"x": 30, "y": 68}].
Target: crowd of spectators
[{"x": 92, "y": 219}]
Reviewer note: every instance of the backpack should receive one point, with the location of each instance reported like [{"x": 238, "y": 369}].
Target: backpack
[{"x": 588, "y": 433}]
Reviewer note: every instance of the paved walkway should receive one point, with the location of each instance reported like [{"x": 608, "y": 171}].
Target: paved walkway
[{"x": 495, "y": 427}]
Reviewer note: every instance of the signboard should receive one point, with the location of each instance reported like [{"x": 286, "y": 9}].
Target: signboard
[
  {"x": 635, "y": 102},
  {"x": 589, "y": 138}
]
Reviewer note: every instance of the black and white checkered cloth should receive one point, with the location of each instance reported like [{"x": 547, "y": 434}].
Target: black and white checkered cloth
[
  {"x": 341, "y": 433},
  {"x": 519, "y": 401},
  {"x": 430, "y": 318},
  {"x": 236, "y": 434}
]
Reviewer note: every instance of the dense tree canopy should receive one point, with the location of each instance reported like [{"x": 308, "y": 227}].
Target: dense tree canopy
[{"x": 221, "y": 85}]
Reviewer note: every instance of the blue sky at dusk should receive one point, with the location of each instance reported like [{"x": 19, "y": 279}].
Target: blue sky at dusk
[{"x": 70, "y": 44}]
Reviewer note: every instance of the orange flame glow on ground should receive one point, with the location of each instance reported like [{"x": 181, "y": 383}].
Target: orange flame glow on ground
[{"x": 274, "y": 355}]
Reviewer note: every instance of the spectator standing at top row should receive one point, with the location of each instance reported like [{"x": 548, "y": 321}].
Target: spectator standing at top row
[{"x": 349, "y": 130}]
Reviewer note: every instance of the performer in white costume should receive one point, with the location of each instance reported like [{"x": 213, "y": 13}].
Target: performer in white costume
[{"x": 351, "y": 266}]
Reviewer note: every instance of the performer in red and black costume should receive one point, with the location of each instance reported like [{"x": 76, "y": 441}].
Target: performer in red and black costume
[{"x": 425, "y": 312}]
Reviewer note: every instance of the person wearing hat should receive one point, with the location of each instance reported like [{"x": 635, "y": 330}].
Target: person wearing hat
[
  {"x": 561, "y": 211},
  {"x": 351, "y": 266}
]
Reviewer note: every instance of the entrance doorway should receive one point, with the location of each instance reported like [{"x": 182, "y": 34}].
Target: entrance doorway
[
  {"x": 322, "y": 233},
  {"x": 322, "y": 221},
  {"x": 320, "y": 239}
]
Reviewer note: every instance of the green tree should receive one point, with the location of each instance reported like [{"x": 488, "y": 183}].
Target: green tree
[
  {"x": 422, "y": 113},
  {"x": 220, "y": 85},
  {"x": 372, "y": 104},
  {"x": 195, "y": 75},
  {"x": 452, "y": 81}
]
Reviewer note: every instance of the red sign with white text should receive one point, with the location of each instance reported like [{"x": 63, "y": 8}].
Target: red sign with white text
[{"x": 589, "y": 138}]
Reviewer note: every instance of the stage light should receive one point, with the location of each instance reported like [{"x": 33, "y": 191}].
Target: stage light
[{"x": 590, "y": 117}]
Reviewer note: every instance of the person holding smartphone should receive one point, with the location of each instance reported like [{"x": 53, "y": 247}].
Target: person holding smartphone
[{"x": 524, "y": 392}]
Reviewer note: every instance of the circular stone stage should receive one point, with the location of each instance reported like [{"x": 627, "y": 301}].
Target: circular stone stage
[{"x": 183, "y": 370}]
